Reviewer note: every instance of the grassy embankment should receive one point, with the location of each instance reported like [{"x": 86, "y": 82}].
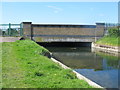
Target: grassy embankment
[
  {"x": 110, "y": 41},
  {"x": 24, "y": 66}
]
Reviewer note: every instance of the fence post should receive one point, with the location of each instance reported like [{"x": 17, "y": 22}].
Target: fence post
[
  {"x": 21, "y": 29},
  {"x": 9, "y": 30},
  {"x": 118, "y": 28}
]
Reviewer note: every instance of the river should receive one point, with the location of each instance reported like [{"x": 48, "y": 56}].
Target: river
[{"x": 99, "y": 67}]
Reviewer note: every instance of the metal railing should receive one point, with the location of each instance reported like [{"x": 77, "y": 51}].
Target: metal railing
[{"x": 11, "y": 29}]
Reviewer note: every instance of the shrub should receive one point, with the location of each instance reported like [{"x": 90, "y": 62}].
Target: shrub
[{"x": 114, "y": 32}]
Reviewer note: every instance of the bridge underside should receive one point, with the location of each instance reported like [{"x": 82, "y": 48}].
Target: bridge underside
[
  {"x": 65, "y": 39},
  {"x": 65, "y": 44}
]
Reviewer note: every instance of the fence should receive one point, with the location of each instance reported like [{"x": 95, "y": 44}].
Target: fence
[{"x": 11, "y": 29}]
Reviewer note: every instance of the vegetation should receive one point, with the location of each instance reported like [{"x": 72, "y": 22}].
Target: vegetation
[
  {"x": 24, "y": 66},
  {"x": 107, "y": 40},
  {"x": 13, "y": 32},
  {"x": 114, "y": 32},
  {"x": 112, "y": 39}
]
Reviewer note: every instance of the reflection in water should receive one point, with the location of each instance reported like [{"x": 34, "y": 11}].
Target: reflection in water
[
  {"x": 106, "y": 78},
  {"x": 99, "y": 67}
]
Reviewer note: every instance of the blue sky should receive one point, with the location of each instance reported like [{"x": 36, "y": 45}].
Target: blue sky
[{"x": 60, "y": 12}]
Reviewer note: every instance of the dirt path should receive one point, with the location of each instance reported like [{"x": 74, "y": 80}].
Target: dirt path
[{"x": 9, "y": 39}]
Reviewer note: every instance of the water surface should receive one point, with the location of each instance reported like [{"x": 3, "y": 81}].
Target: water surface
[{"x": 99, "y": 67}]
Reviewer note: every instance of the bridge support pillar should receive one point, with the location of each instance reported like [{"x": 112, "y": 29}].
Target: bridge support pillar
[
  {"x": 99, "y": 31},
  {"x": 100, "y": 28},
  {"x": 27, "y": 29}
]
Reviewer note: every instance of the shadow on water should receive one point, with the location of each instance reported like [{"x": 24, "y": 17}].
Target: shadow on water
[
  {"x": 65, "y": 44},
  {"x": 102, "y": 68}
]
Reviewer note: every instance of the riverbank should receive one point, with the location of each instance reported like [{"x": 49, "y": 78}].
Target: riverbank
[
  {"x": 25, "y": 66},
  {"x": 107, "y": 44},
  {"x": 109, "y": 41},
  {"x": 105, "y": 48}
]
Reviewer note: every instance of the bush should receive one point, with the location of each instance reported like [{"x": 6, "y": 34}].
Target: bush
[{"x": 114, "y": 32}]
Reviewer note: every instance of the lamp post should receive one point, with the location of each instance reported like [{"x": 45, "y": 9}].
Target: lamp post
[{"x": 117, "y": 26}]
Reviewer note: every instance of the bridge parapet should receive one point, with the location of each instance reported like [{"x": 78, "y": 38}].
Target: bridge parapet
[{"x": 62, "y": 32}]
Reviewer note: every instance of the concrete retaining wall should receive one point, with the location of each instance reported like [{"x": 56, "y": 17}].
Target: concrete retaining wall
[{"x": 106, "y": 48}]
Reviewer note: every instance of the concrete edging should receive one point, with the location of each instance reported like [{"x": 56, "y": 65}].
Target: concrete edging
[
  {"x": 106, "y": 48},
  {"x": 79, "y": 76}
]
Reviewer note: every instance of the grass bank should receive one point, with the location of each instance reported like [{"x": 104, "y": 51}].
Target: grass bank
[
  {"x": 24, "y": 66},
  {"x": 110, "y": 41}
]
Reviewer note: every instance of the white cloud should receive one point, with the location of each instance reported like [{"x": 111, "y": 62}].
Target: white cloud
[{"x": 56, "y": 9}]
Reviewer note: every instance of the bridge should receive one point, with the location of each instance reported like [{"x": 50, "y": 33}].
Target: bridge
[
  {"x": 63, "y": 32},
  {"x": 54, "y": 32}
]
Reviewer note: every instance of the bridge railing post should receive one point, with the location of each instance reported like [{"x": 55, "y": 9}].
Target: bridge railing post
[{"x": 21, "y": 29}]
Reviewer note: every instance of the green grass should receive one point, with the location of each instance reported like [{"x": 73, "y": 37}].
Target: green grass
[
  {"x": 111, "y": 41},
  {"x": 24, "y": 66}
]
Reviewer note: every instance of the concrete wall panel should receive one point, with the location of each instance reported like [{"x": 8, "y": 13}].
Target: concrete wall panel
[
  {"x": 63, "y": 31},
  {"x": 83, "y": 33}
]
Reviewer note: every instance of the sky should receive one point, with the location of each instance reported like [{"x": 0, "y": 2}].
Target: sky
[{"x": 60, "y": 12}]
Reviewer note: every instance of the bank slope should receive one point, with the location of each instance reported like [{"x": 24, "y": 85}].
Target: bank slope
[
  {"x": 110, "y": 41},
  {"x": 24, "y": 66}
]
